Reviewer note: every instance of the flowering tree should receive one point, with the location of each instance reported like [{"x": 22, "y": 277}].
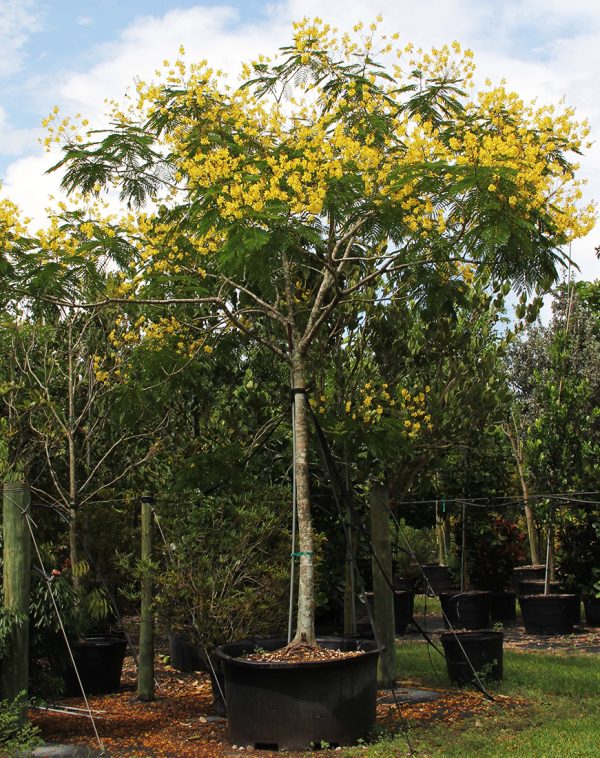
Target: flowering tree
[{"x": 332, "y": 171}]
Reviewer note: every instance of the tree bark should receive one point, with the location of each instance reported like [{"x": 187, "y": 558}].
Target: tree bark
[
  {"x": 16, "y": 580},
  {"x": 382, "y": 577},
  {"x": 305, "y": 620}
]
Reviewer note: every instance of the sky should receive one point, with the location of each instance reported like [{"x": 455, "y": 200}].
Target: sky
[{"x": 76, "y": 54}]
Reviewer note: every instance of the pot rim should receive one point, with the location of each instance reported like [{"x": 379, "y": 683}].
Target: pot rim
[
  {"x": 552, "y": 595},
  {"x": 221, "y": 653},
  {"x": 471, "y": 633},
  {"x": 466, "y": 593}
]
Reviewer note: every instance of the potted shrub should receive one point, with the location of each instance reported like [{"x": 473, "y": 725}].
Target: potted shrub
[
  {"x": 495, "y": 545},
  {"x": 578, "y": 562},
  {"x": 549, "y": 613},
  {"x": 225, "y": 574}
]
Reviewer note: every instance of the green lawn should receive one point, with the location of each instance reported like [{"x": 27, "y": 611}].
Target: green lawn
[{"x": 560, "y": 718}]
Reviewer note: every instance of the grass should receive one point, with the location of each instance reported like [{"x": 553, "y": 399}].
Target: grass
[{"x": 558, "y": 716}]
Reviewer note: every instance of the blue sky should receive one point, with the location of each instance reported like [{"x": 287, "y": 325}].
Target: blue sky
[{"x": 74, "y": 54}]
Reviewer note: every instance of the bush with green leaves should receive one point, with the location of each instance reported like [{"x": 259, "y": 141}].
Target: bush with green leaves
[
  {"x": 413, "y": 545},
  {"x": 578, "y": 554},
  {"x": 226, "y": 567},
  {"x": 16, "y": 737},
  {"x": 495, "y": 545}
]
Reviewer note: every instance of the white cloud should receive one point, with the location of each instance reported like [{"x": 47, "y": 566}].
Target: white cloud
[
  {"x": 15, "y": 141},
  {"x": 27, "y": 184},
  {"x": 84, "y": 20},
  {"x": 18, "y": 20},
  {"x": 212, "y": 33}
]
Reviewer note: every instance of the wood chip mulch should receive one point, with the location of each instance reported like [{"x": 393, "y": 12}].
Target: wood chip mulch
[
  {"x": 301, "y": 653},
  {"x": 583, "y": 640},
  {"x": 181, "y": 723}
]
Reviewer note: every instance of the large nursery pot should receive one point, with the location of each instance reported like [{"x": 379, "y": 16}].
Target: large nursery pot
[
  {"x": 549, "y": 614},
  {"x": 592, "y": 611},
  {"x": 469, "y": 652},
  {"x": 439, "y": 579},
  {"x": 503, "y": 606},
  {"x": 404, "y": 603},
  {"x": 186, "y": 654},
  {"x": 295, "y": 706},
  {"x": 99, "y": 662},
  {"x": 466, "y": 610},
  {"x": 521, "y": 573}
]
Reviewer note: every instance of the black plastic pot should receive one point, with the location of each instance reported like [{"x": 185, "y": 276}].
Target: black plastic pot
[
  {"x": 466, "y": 610},
  {"x": 186, "y": 655},
  {"x": 99, "y": 661},
  {"x": 217, "y": 683},
  {"x": 295, "y": 706},
  {"x": 592, "y": 611},
  {"x": 527, "y": 572},
  {"x": 549, "y": 614},
  {"x": 465, "y": 651},
  {"x": 404, "y": 602},
  {"x": 439, "y": 578},
  {"x": 536, "y": 587},
  {"x": 503, "y": 606}
]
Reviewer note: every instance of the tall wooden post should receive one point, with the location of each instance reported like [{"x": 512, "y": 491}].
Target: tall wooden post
[
  {"x": 382, "y": 575},
  {"x": 16, "y": 578},
  {"x": 146, "y": 656},
  {"x": 350, "y": 574}
]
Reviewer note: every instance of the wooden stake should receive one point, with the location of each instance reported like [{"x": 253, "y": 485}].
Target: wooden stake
[
  {"x": 383, "y": 593},
  {"x": 16, "y": 578},
  {"x": 146, "y": 656}
]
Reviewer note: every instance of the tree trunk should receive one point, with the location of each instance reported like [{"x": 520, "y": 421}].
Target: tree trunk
[
  {"x": 532, "y": 535},
  {"x": 305, "y": 619},
  {"x": 517, "y": 448},
  {"x": 74, "y": 546},
  {"x": 72, "y": 464},
  {"x": 350, "y": 577},
  {"x": 146, "y": 659},
  {"x": 382, "y": 578},
  {"x": 350, "y": 582},
  {"x": 442, "y": 527},
  {"x": 16, "y": 579}
]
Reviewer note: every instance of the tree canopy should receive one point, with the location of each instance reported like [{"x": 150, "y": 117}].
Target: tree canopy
[{"x": 345, "y": 170}]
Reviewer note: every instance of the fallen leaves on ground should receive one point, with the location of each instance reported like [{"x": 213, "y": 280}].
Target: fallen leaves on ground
[{"x": 180, "y": 723}]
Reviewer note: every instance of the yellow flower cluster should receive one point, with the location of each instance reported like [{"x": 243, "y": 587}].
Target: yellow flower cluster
[
  {"x": 379, "y": 401},
  {"x": 249, "y": 153},
  {"x": 151, "y": 335},
  {"x": 245, "y": 159},
  {"x": 59, "y": 130},
  {"x": 11, "y": 224}
]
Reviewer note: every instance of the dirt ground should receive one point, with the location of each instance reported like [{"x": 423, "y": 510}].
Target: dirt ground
[{"x": 181, "y": 721}]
